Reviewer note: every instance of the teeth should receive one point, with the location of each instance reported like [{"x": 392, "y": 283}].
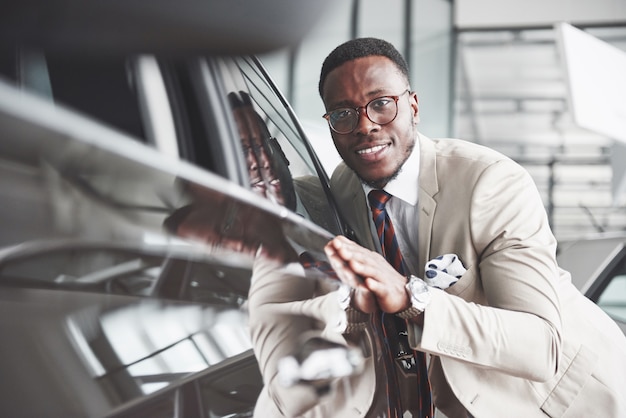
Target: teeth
[{"x": 371, "y": 150}]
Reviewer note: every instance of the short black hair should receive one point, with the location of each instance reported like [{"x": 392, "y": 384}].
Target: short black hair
[{"x": 359, "y": 48}]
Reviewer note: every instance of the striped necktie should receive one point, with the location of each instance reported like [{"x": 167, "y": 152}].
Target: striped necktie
[
  {"x": 387, "y": 235},
  {"x": 394, "y": 327}
]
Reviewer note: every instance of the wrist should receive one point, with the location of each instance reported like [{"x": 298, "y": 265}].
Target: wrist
[{"x": 419, "y": 298}]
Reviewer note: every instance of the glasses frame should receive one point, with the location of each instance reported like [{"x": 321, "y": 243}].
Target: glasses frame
[{"x": 358, "y": 112}]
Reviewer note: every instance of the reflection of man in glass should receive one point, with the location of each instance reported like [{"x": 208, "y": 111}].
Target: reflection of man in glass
[
  {"x": 225, "y": 223},
  {"x": 267, "y": 164},
  {"x": 282, "y": 269}
]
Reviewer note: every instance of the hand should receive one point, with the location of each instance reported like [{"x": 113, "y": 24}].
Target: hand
[{"x": 377, "y": 284}]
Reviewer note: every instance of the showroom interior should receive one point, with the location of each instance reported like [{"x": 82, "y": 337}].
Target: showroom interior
[
  {"x": 110, "y": 309},
  {"x": 539, "y": 81}
]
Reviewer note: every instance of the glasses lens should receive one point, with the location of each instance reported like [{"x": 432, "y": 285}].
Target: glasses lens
[
  {"x": 382, "y": 110},
  {"x": 343, "y": 120}
]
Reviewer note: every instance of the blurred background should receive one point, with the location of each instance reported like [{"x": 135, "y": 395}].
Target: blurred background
[{"x": 503, "y": 73}]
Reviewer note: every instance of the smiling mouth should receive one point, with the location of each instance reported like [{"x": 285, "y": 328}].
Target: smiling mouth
[{"x": 371, "y": 150}]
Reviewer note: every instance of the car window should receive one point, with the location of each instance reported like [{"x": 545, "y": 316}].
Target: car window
[
  {"x": 129, "y": 93},
  {"x": 273, "y": 141},
  {"x": 102, "y": 87},
  {"x": 610, "y": 294},
  {"x": 158, "y": 102},
  {"x": 128, "y": 268},
  {"x": 613, "y": 298}
]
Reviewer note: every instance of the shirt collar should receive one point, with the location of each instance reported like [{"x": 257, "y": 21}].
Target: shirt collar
[{"x": 405, "y": 185}]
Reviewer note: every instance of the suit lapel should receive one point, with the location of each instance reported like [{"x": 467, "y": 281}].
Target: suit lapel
[
  {"x": 353, "y": 205},
  {"x": 428, "y": 187},
  {"x": 362, "y": 223}
]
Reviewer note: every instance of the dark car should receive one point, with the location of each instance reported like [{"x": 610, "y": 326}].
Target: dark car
[
  {"x": 598, "y": 268},
  {"x": 136, "y": 188},
  {"x": 138, "y": 182}
]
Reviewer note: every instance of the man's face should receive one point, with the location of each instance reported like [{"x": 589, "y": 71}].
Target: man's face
[
  {"x": 374, "y": 152},
  {"x": 263, "y": 177}
]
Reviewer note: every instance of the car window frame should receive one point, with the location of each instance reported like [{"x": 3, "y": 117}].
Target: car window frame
[{"x": 303, "y": 141}]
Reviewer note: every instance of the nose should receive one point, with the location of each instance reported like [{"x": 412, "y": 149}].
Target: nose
[{"x": 364, "y": 123}]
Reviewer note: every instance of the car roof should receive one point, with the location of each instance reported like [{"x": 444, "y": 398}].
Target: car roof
[{"x": 184, "y": 26}]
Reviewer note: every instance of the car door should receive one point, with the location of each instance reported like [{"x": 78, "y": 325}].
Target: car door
[{"x": 133, "y": 203}]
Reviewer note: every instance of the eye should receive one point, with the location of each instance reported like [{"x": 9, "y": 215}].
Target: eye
[
  {"x": 380, "y": 104},
  {"x": 341, "y": 114}
]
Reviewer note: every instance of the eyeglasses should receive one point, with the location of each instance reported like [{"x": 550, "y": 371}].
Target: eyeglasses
[{"x": 381, "y": 111}]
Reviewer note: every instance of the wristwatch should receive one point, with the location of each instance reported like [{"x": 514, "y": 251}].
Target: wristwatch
[{"x": 420, "y": 297}]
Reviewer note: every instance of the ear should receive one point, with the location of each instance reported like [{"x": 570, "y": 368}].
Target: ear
[{"x": 414, "y": 102}]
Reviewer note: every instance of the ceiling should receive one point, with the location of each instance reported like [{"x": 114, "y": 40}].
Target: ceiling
[{"x": 512, "y": 95}]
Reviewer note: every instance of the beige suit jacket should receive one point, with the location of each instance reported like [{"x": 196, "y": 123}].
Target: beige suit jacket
[{"x": 512, "y": 338}]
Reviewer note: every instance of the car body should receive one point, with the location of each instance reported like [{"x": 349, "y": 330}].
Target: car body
[
  {"x": 598, "y": 267},
  {"x": 133, "y": 200},
  {"x": 109, "y": 306}
]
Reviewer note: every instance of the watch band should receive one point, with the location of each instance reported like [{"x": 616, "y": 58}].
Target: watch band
[
  {"x": 419, "y": 294},
  {"x": 409, "y": 313}
]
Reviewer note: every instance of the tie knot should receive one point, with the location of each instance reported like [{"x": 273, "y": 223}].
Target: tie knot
[{"x": 378, "y": 199}]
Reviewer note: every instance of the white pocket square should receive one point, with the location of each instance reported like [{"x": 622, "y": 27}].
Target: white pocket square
[{"x": 444, "y": 271}]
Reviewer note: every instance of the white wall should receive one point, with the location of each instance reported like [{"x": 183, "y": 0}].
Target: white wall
[{"x": 471, "y": 14}]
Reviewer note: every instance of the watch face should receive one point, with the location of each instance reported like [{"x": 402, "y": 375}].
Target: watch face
[
  {"x": 417, "y": 286},
  {"x": 420, "y": 294}
]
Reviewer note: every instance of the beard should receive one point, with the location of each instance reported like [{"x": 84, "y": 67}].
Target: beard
[{"x": 379, "y": 183}]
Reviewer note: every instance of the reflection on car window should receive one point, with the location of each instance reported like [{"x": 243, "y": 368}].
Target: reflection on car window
[
  {"x": 155, "y": 272},
  {"x": 279, "y": 164},
  {"x": 268, "y": 167},
  {"x": 157, "y": 349},
  {"x": 99, "y": 86},
  {"x": 126, "y": 93}
]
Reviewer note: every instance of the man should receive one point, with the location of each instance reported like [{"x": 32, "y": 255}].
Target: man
[
  {"x": 511, "y": 337},
  {"x": 505, "y": 331}
]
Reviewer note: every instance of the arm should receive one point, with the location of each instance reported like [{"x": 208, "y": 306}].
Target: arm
[
  {"x": 516, "y": 326},
  {"x": 516, "y": 329},
  {"x": 284, "y": 306}
]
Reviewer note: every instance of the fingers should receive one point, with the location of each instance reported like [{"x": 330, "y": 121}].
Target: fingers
[
  {"x": 341, "y": 266},
  {"x": 361, "y": 261},
  {"x": 390, "y": 298},
  {"x": 365, "y": 269},
  {"x": 362, "y": 298}
]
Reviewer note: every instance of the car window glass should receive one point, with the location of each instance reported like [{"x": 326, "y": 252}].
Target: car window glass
[
  {"x": 100, "y": 87},
  {"x": 126, "y": 93},
  {"x": 279, "y": 163},
  {"x": 612, "y": 298}
]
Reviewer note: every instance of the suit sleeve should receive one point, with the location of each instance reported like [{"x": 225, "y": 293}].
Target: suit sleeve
[
  {"x": 285, "y": 306},
  {"x": 516, "y": 329}
]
